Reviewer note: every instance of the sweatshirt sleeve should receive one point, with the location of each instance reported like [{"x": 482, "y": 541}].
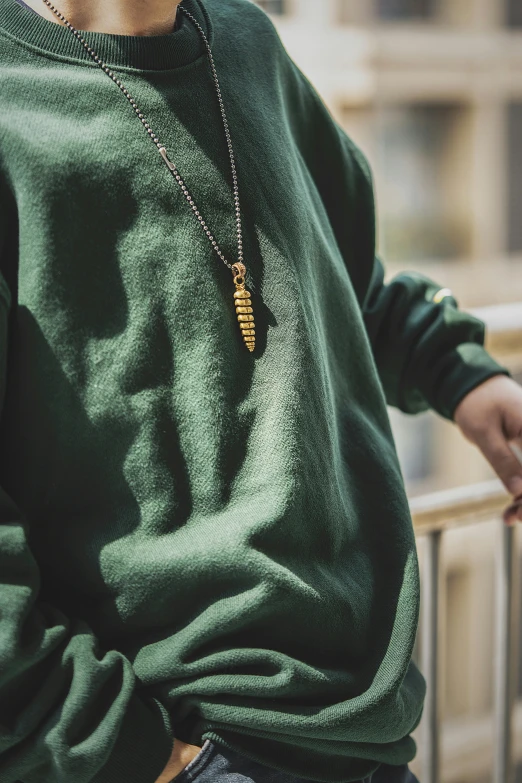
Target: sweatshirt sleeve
[
  {"x": 428, "y": 352},
  {"x": 69, "y": 711}
]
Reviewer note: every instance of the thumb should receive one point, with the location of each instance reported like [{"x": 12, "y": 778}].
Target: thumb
[{"x": 502, "y": 459}]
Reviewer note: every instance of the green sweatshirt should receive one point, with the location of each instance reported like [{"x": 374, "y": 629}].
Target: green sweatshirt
[{"x": 196, "y": 541}]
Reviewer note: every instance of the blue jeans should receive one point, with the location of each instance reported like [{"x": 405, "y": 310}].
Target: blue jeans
[{"x": 220, "y": 765}]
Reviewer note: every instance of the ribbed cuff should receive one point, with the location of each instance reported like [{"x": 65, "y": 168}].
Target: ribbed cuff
[
  {"x": 143, "y": 747},
  {"x": 460, "y": 371}
]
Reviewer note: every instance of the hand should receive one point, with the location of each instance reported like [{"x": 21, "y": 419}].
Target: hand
[
  {"x": 490, "y": 416},
  {"x": 182, "y": 754}
]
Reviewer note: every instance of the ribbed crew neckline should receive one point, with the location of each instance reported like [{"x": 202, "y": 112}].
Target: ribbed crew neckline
[{"x": 136, "y": 52}]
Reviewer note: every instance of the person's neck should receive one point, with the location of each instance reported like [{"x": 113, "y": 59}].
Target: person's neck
[{"x": 121, "y": 17}]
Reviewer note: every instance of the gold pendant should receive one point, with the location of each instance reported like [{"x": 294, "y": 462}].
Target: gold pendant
[{"x": 244, "y": 307}]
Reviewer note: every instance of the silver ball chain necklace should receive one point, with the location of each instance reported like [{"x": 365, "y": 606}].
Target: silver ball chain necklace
[{"x": 242, "y": 300}]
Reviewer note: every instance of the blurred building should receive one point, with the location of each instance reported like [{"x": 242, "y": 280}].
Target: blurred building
[{"x": 431, "y": 90}]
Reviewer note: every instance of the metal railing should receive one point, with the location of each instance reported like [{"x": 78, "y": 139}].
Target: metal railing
[{"x": 432, "y": 516}]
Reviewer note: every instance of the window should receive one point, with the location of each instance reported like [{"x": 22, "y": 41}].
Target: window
[
  {"x": 514, "y": 174},
  {"x": 514, "y": 13},
  {"x": 355, "y": 12},
  {"x": 458, "y": 13},
  {"x": 414, "y": 439},
  {"x": 406, "y": 9},
  {"x": 276, "y": 7},
  {"x": 421, "y": 157}
]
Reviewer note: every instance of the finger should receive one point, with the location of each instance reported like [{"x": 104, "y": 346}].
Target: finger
[
  {"x": 513, "y": 512},
  {"x": 503, "y": 461},
  {"x": 516, "y": 447}
]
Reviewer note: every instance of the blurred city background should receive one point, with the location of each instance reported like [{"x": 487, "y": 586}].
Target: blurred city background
[{"x": 431, "y": 90}]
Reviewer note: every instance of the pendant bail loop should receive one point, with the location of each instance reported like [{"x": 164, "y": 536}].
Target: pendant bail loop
[{"x": 239, "y": 272}]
